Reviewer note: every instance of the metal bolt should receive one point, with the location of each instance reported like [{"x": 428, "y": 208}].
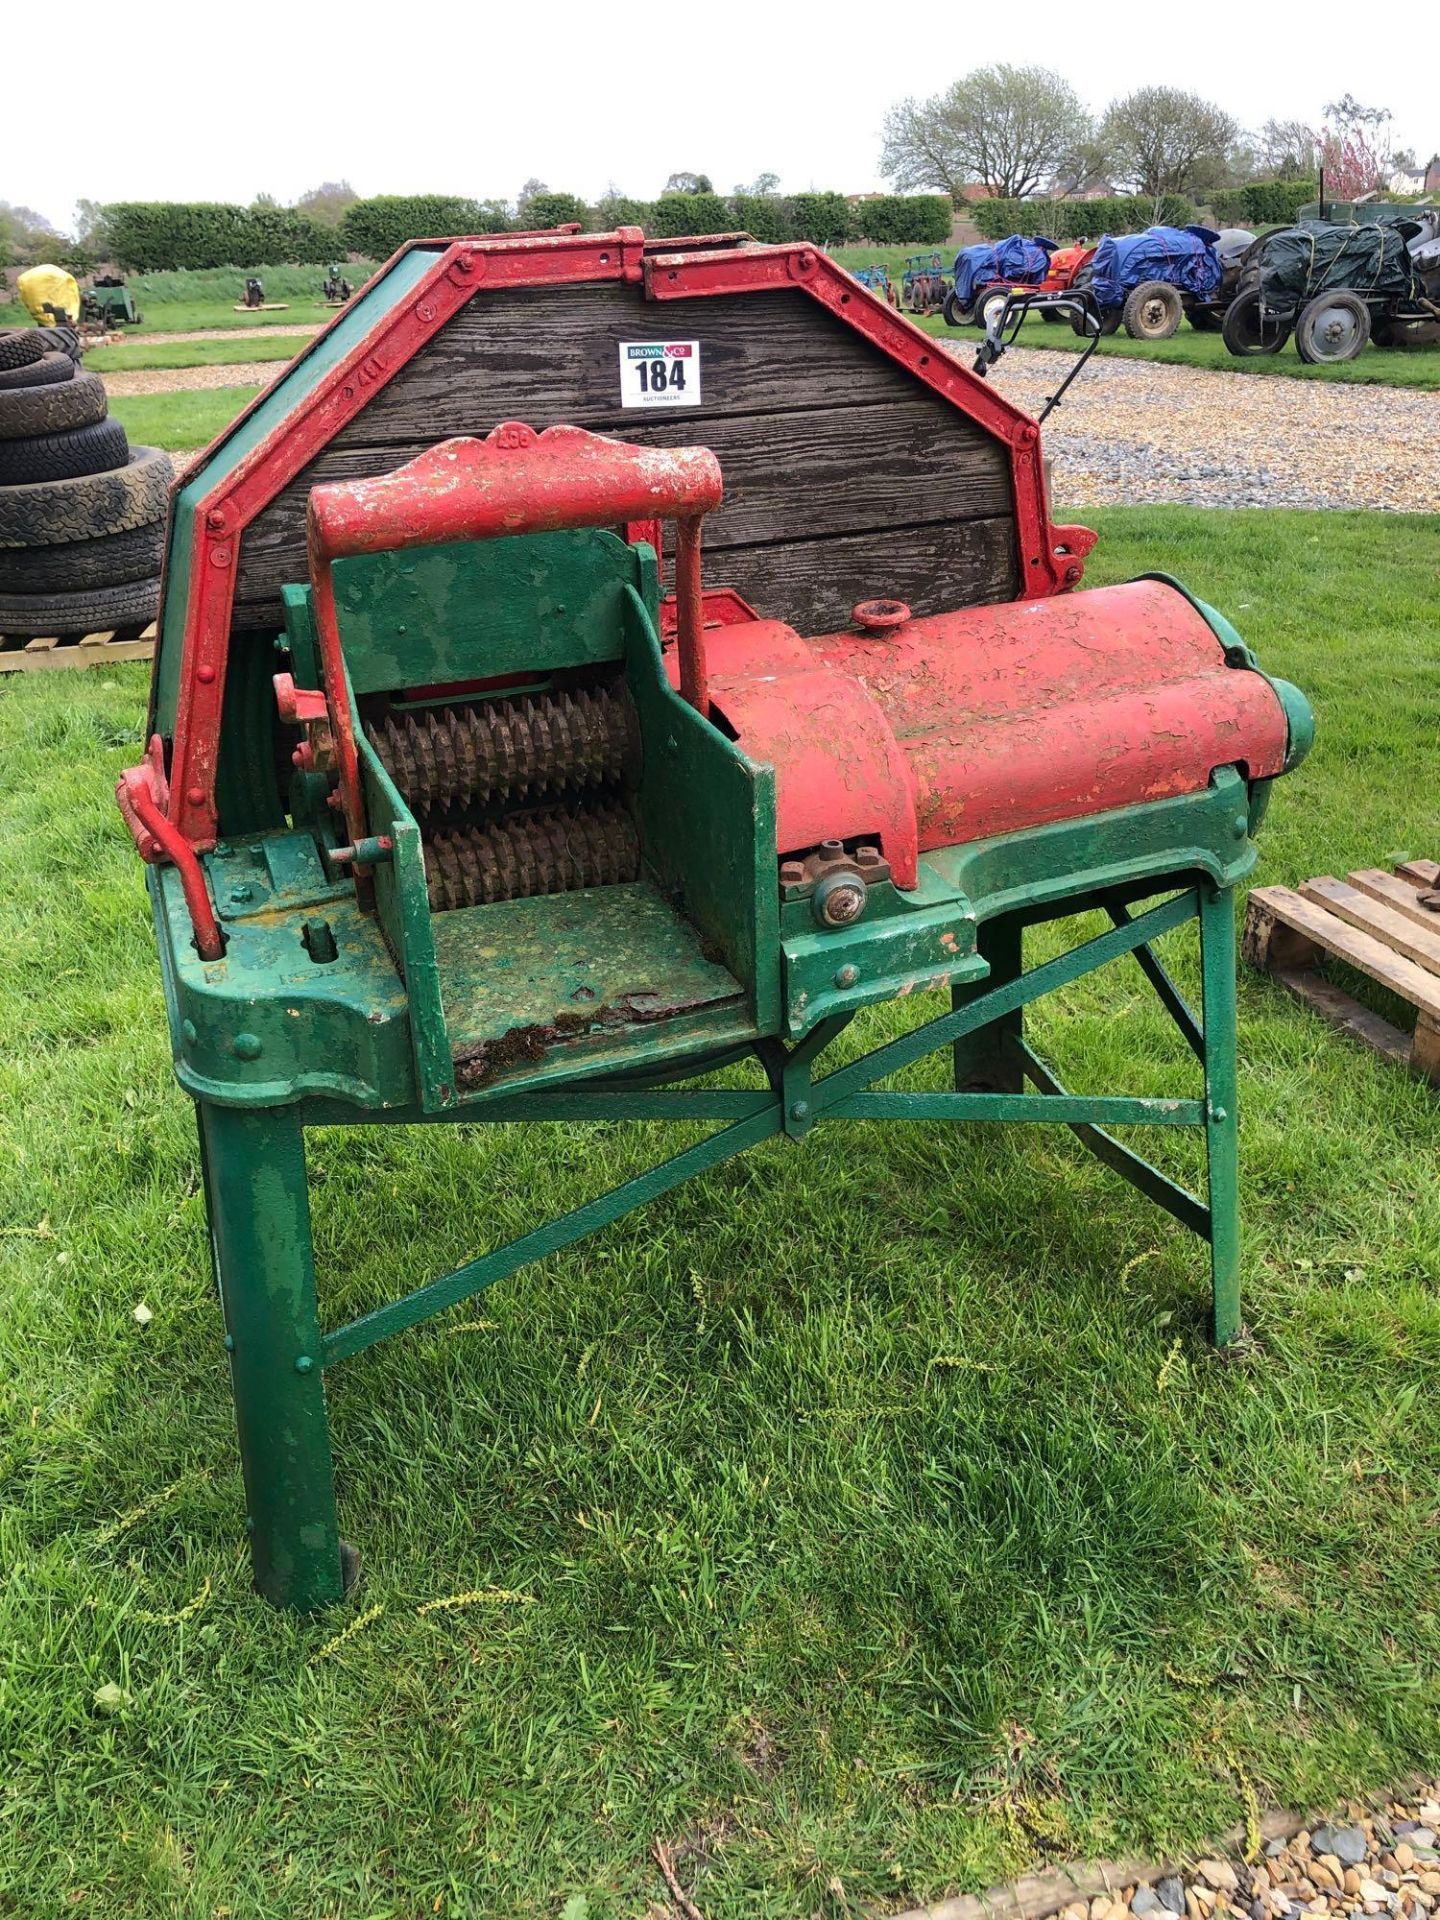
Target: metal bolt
[
  {"x": 867, "y": 856},
  {"x": 190, "y": 1031},
  {"x": 229, "y": 1343},
  {"x": 215, "y": 520},
  {"x": 1218, "y": 1113},
  {"x": 242, "y": 893},
  {"x": 246, "y": 1046},
  {"x": 303, "y": 1363},
  {"x": 800, "y": 1110},
  {"x": 792, "y": 873},
  {"x": 847, "y": 976},
  {"x": 831, "y": 849},
  {"x": 1242, "y": 826},
  {"x": 841, "y": 902}
]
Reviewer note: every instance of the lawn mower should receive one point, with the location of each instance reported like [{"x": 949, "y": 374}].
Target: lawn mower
[{"x": 595, "y": 664}]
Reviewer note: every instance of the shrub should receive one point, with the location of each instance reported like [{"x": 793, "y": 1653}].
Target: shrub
[
  {"x": 675, "y": 215},
  {"x": 619, "y": 210},
  {"x": 178, "y": 233},
  {"x": 553, "y": 210},
  {"x": 897, "y": 219},
  {"x": 823, "y": 218},
  {"x": 1079, "y": 219},
  {"x": 766, "y": 216},
  {"x": 379, "y": 226},
  {"x": 1276, "y": 202}
]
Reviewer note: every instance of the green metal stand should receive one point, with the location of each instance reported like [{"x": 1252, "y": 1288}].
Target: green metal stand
[{"x": 255, "y": 1177}]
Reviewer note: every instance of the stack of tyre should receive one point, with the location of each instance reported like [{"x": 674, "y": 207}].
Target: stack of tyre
[{"x": 82, "y": 513}]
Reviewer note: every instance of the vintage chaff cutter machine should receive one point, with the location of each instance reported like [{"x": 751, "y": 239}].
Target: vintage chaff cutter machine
[{"x": 453, "y": 813}]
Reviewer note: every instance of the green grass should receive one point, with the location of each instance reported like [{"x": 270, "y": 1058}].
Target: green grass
[
  {"x": 884, "y": 1514},
  {"x": 183, "y": 301},
  {"x": 180, "y": 421},
  {"x": 129, "y": 358}
]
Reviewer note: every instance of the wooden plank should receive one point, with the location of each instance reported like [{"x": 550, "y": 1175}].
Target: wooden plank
[
  {"x": 814, "y": 584},
  {"x": 91, "y": 650},
  {"x": 1371, "y": 916},
  {"x": 819, "y": 434},
  {"x": 1397, "y": 894},
  {"x": 547, "y": 354},
  {"x": 1341, "y": 1010},
  {"x": 790, "y": 476},
  {"x": 1359, "y": 950},
  {"x": 1425, "y": 873}
]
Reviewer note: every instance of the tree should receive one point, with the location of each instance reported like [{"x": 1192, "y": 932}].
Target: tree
[
  {"x": 1007, "y": 128},
  {"x": 27, "y": 238},
  {"x": 1165, "y": 140},
  {"x": 522, "y": 201},
  {"x": 689, "y": 183},
  {"x": 1286, "y": 150},
  {"x": 327, "y": 202},
  {"x": 554, "y": 210},
  {"x": 762, "y": 187}
]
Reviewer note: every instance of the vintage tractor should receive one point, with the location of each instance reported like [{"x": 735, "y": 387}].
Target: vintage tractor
[
  {"x": 984, "y": 274},
  {"x": 877, "y": 279},
  {"x": 1335, "y": 288},
  {"x": 108, "y": 302},
  {"x": 474, "y": 793},
  {"x": 337, "y": 289}
]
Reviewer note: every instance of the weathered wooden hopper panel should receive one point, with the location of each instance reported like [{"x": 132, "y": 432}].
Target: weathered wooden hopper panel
[{"x": 844, "y": 478}]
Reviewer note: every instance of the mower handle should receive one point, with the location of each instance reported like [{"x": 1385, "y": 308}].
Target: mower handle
[{"x": 515, "y": 481}]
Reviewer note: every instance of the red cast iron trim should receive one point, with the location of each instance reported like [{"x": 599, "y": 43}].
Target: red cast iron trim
[
  {"x": 1044, "y": 571},
  {"x": 142, "y": 797},
  {"x": 514, "y": 481}
]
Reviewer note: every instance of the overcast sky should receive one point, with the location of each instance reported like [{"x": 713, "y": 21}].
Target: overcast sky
[{"x": 164, "y": 101}]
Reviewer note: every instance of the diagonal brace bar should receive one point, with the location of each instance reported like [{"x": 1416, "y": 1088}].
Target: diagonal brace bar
[
  {"x": 475, "y": 1275},
  {"x": 1130, "y": 1166},
  {"x": 1063, "y": 1109},
  {"x": 1019, "y": 992},
  {"x": 1172, "y": 999}
]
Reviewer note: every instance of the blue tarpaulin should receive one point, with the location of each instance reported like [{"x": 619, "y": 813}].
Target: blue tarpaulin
[
  {"x": 1185, "y": 257},
  {"x": 1015, "y": 258}
]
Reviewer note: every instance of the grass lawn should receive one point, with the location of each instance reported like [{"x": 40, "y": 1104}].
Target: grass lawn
[
  {"x": 180, "y": 421},
  {"x": 192, "y": 353},
  {"x": 881, "y": 1512},
  {"x": 186, "y": 316}
]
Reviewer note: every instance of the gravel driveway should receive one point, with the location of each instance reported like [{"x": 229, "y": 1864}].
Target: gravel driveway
[
  {"x": 1135, "y": 432},
  {"x": 245, "y": 373}
]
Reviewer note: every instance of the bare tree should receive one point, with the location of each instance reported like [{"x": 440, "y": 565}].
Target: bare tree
[
  {"x": 1163, "y": 139},
  {"x": 1006, "y": 128},
  {"x": 1286, "y": 149}
]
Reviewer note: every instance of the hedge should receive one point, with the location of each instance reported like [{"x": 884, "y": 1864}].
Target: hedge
[
  {"x": 554, "y": 210},
  {"x": 1080, "y": 219},
  {"x": 379, "y": 226},
  {"x": 922, "y": 219},
  {"x": 1264, "y": 203},
  {"x": 156, "y": 234}
]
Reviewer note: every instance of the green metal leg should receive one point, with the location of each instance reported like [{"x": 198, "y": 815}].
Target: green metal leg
[
  {"x": 984, "y": 1063},
  {"x": 260, "y": 1218},
  {"x": 1222, "y": 1139}
]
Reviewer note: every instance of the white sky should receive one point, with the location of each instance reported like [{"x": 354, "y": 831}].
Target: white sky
[{"x": 166, "y": 101}]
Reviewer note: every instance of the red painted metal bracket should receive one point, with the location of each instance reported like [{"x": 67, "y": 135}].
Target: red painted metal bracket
[
  {"x": 143, "y": 797},
  {"x": 514, "y": 481}
]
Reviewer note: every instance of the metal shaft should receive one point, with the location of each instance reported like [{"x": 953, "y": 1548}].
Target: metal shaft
[
  {"x": 551, "y": 852},
  {"x": 506, "y": 749}
]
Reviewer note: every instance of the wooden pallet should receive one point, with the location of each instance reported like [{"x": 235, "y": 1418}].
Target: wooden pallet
[
  {"x": 1374, "y": 922},
  {"x": 21, "y": 655}
]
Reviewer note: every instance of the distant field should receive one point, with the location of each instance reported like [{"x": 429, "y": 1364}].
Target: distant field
[
  {"x": 180, "y": 421},
  {"x": 140, "y": 358}
]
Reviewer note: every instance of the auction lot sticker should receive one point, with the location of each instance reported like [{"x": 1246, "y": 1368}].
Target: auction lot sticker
[{"x": 659, "y": 373}]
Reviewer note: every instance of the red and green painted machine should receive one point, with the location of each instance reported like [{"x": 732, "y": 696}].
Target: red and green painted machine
[{"x": 549, "y": 708}]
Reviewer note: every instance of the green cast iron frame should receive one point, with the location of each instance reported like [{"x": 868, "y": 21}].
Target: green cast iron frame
[{"x": 257, "y": 1192}]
